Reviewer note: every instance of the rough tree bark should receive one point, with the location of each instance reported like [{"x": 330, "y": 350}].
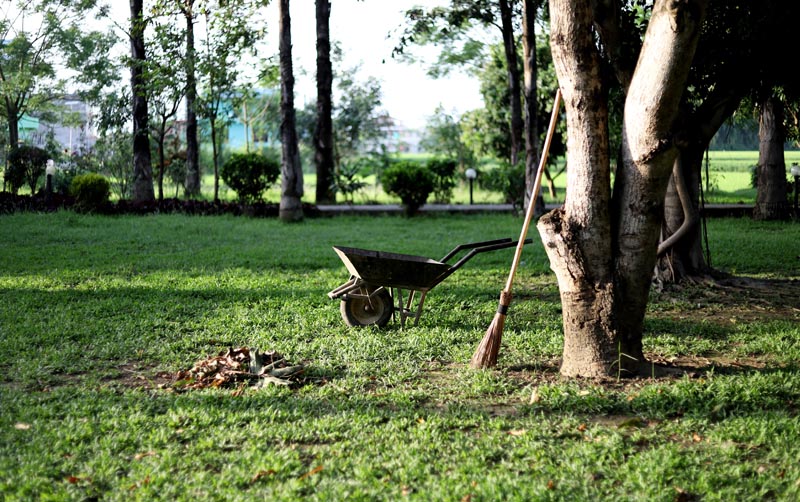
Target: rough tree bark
[
  {"x": 142, "y": 163},
  {"x": 323, "y": 134},
  {"x": 602, "y": 247},
  {"x": 771, "y": 201},
  {"x": 291, "y": 207}
]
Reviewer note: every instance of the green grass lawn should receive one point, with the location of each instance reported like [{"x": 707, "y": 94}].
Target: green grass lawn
[{"x": 99, "y": 313}]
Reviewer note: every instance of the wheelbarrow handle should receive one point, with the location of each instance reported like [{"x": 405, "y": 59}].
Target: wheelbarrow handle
[
  {"x": 475, "y": 245},
  {"x": 504, "y": 243}
]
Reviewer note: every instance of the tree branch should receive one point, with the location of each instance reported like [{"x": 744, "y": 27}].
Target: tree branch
[{"x": 690, "y": 216}]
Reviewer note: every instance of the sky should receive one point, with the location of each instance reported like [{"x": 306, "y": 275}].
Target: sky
[{"x": 409, "y": 95}]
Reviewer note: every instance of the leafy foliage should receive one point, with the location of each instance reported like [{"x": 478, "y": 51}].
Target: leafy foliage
[
  {"x": 444, "y": 178},
  {"x": 114, "y": 152},
  {"x": 443, "y": 136},
  {"x": 487, "y": 131},
  {"x": 347, "y": 179},
  {"x": 411, "y": 182},
  {"x": 30, "y": 59},
  {"x": 249, "y": 174},
  {"x": 506, "y": 179},
  {"x": 26, "y": 164}
]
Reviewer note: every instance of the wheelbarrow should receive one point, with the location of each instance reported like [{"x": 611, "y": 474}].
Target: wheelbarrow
[{"x": 374, "y": 292}]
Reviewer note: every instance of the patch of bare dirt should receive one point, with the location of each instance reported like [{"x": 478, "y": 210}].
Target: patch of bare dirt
[{"x": 134, "y": 375}]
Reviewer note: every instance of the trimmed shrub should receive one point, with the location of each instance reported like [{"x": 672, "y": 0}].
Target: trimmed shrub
[
  {"x": 249, "y": 175},
  {"x": 26, "y": 164},
  {"x": 411, "y": 182},
  {"x": 506, "y": 179},
  {"x": 444, "y": 174},
  {"x": 90, "y": 190}
]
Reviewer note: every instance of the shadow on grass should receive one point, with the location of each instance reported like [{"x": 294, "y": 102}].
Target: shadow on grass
[{"x": 734, "y": 392}]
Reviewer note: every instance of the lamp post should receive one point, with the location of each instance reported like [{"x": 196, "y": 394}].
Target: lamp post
[
  {"x": 471, "y": 175},
  {"x": 796, "y": 173},
  {"x": 49, "y": 172}
]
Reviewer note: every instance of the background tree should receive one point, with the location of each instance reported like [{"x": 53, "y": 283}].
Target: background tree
[
  {"x": 193, "y": 174},
  {"x": 323, "y": 133},
  {"x": 165, "y": 87},
  {"x": 260, "y": 111},
  {"x": 360, "y": 123},
  {"x": 228, "y": 38},
  {"x": 443, "y": 136},
  {"x": 529, "y": 91},
  {"x": 113, "y": 152},
  {"x": 453, "y": 28},
  {"x": 142, "y": 164},
  {"x": 771, "y": 201},
  {"x": 32, "y": 59},
  {"x": 291, "y": 207},
  {"x": 513, "y": 80},
  {"x": 185, "y": 11},
  {"x": 26, "y": 164}
]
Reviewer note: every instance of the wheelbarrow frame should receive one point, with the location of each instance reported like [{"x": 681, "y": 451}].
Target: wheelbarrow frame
[{"x": 378, "y": 276}]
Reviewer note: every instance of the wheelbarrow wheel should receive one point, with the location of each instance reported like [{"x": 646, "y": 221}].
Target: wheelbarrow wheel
[{"x": 367, "y": 311}]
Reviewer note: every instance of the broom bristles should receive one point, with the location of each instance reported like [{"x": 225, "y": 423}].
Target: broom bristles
[{"x": 486, "y": 354}]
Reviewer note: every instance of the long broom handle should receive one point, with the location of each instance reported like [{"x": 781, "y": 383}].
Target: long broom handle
[{"x": 535, "y": 193}]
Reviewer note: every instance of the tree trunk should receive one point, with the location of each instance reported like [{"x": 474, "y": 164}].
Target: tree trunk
[
  {"x": 323, "y": 135},
  {"x": 515, "y": 94},
  {"x": 680, "y": 254},
  {"x": 602, "y": 247},
  {"x": 529, "y": 70},
  {"x": 161, "y": 166},
  {"x": 683, "y": 257},
  {"x": 771, "y": 201},
  {"x": 291, "y": 207},
  {"x": 192, "y": 183},
  {"x": 12, "y": 117},
  {"x": 215, "y": 154},
  {"x": 142, "y": 163}
]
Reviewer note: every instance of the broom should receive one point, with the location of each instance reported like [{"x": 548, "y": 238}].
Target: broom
[{"x": 486, "y": 354}]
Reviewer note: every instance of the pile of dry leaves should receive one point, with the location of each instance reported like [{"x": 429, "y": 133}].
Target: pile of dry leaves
[{"x": 240, "y": 367}]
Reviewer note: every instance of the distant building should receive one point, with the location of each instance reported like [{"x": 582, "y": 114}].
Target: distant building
[
  {"x": 397, "y": 138},
  {"x": 400, "y": 139},
  {"x": 73, "y": 134}
]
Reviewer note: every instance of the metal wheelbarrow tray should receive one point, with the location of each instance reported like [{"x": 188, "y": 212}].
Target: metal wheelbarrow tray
[{"x": 374, "y": 291}]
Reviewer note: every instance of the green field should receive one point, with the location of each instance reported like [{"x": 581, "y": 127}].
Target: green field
[{"x": 99, "y": 314}]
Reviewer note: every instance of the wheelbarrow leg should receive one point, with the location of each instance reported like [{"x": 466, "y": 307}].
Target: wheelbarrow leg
[
  {"x": 419, "y": 307},
  {"x": 402, "y": 308}
]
